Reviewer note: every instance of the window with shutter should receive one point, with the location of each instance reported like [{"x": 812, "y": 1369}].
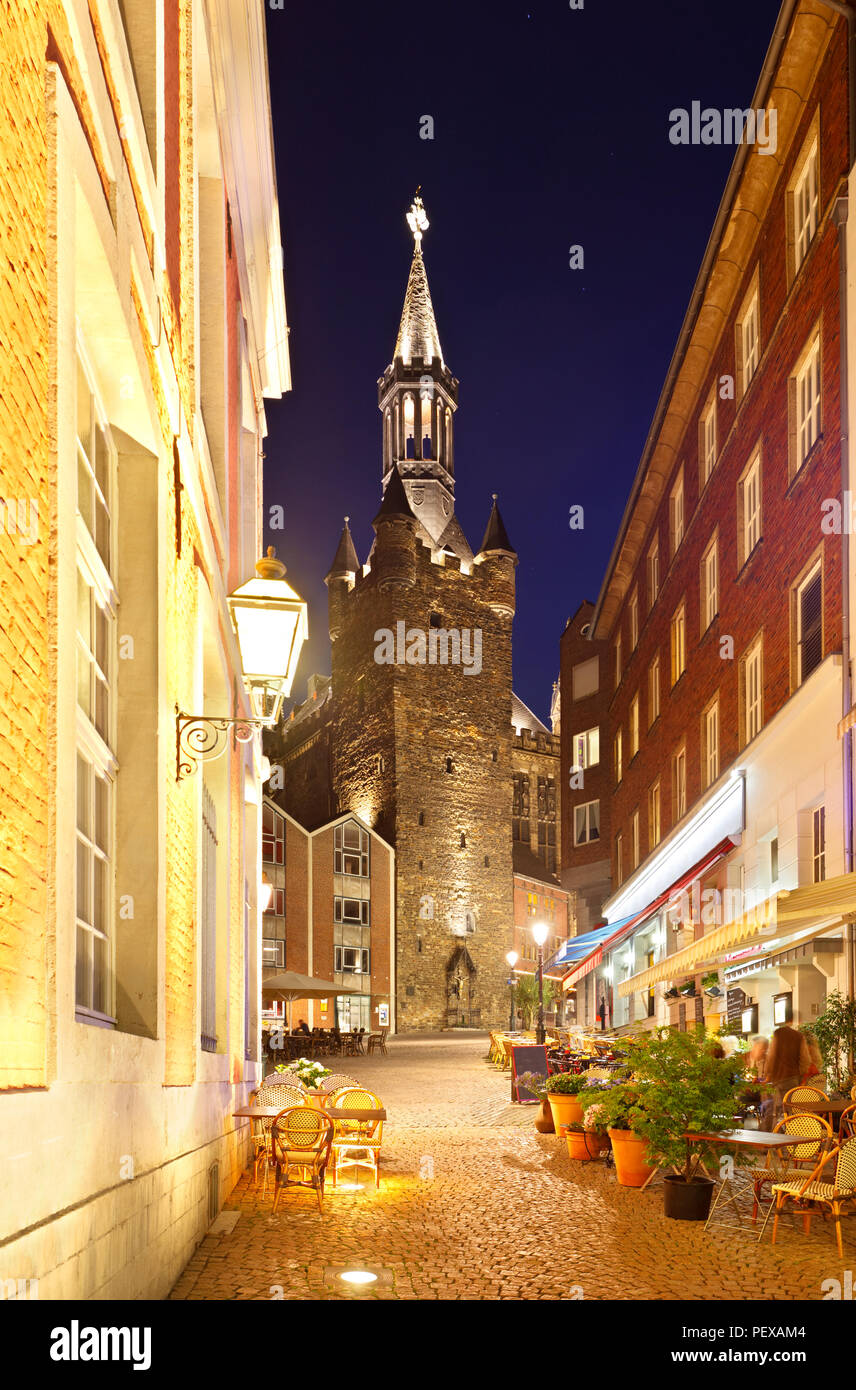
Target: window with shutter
[{"x": 810, "y": 625}]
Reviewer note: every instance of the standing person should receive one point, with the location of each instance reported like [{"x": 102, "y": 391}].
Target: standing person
[
  {"x": 788, "y": 1059},
  {"x": 816, "y": 1069},
  {"x": 756, "y": 1067}
]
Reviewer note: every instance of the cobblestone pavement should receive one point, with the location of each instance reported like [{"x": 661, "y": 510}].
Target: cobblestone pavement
[{"x": 474, "y": 1204}]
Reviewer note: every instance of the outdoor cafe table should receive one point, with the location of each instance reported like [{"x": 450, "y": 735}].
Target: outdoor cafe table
[
  {"x": 270, "y": 1112},
  {"x": 818, "y": 1107},
  {"x": 729, "y": 1187}
]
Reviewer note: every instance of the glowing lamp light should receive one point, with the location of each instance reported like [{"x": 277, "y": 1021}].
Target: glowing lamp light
[
  {"x": 271, "y": 623},
  {"x": 540, "y": 932},
  {"x": 512, "y": 959},
  {"x": 358, "y": 1276}
]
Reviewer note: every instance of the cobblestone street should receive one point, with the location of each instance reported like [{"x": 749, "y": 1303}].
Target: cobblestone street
[{"x": 474, "y": 1204}]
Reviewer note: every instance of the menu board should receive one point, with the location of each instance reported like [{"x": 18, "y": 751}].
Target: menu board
[
  {"x": 735, "y": 1003},
  {"x": 527, "y": 1057}
]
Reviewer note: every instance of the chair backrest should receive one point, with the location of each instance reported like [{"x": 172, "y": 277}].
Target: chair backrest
[
  {"x": 845, "y": 1168},
  {"x": 284, "y": 1078},
  {"x": 337, "y": 1082},
  {"x": 847, "y": 1122},
  {"x": 300, "y": 1127},
  {"x": 816, "y": 1132},
  {"x": 357, "y": 1098},
  {"x": 282, "y": 1095},
  {"x": 808, "y": 1093}
]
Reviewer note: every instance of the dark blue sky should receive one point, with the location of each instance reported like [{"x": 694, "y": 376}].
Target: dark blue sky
[{"x": 550, "y": 129}]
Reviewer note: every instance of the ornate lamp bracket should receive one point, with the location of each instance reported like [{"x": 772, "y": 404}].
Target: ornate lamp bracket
[{"x": 199, "y": 738}]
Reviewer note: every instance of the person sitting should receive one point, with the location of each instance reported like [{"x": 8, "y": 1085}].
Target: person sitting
[
  {"x": 816, "y": 1068},
  {"x": 302, "y": 1026},
  {"x": 788, "y": 1060}
]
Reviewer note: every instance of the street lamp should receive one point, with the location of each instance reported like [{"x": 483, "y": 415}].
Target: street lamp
[
  {"x": 540, "y": 931},
  {"x": 271, "y": 626},
  {"x": 512, "y": 958}
]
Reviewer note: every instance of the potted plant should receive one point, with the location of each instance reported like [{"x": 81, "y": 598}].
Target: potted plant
[
  {"x": 562, "y": 1090},
  {"x": 684, "y": 1088},
  {"x": 583, "y": 1143},
  {"x": 835, "y": 1030},
  {"x": 310, "y": 1073},
  {"x": 537, "y": 1085},
  {"x": 614, "y": 1110}
]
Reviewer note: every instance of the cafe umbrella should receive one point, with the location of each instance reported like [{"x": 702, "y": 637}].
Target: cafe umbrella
[{"x": 288, "y": 985}]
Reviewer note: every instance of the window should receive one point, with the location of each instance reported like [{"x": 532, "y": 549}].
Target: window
[
  {"x": 748, "y": 338},
  {"x": 618, "y": 661},
  {"x": 351, "y": 910},
  {"x": 774, "y": 860},
  {"x": 707, "y": 439},
  {"x": 749, "y": 499},
  {"x": 679, "y": 644},
  {"x": 818, "y": 841},
  {"x": 653, "y": 571},
  {"x": 619, "y": 858},
  {"x": 654, "y": 815},
  {"x": 276, "y": 906},
  {"x": 95, "y": 656},
  {"x": 809, "y": 616},
  {"x": 710, "y": 744},
  {"x": 679, "y": 784},
  {"x": 531, "y": 904},
  {"x": 585, "y": 678},
  {"x": 587, "y": 823},
  {"x": 653, "y": 691},
  {"x": 633, "y": 609},
  {"x": 273, "y": 952},
  {"x": 634, "y": 726},
  {"x": 547, "y": 821},
  {"x": 752, "y": 692},
  {"x": 634, "y": 838},
  {"x": 709, "y": 584},
  {"x": 351, "y": 960},
  {"x": 208, "y": 924},
  {"x": 804, "y": 406},
  {"x": 520, "y": 829},
  {"x": 273, "y": 836},
  {"x": 618, "y": 749},
  {"x": 351, "y": 850},
  {"x": 587, "y": 748},
  {"x": 676, "y": 514},
  {"x": 804, "y": 204}
]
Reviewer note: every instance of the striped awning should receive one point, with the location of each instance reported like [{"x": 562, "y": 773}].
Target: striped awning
[{"x": 767, "y": 927}]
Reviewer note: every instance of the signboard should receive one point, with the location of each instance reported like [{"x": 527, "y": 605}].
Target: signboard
[
  {"x": 527, "y": 1057},
  {"x": 383, "y": 1015},
  {"x": 735, "y": 1003},
  {"x": 783, "y": 1008}
]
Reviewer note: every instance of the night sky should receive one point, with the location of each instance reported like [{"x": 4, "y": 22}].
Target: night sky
[{"x": 550, "y": 129}]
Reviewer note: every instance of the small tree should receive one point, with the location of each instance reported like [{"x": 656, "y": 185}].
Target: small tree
[
  {"x": 835, "y": 1030},
  {"x": 526, "y": 996},
  {"x": 682, "y": 1088}
]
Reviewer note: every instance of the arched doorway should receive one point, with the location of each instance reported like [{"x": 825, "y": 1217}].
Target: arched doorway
[{"x": 462, "y": 1010}]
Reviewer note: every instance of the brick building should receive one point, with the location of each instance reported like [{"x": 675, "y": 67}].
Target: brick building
[
  {"x": 331, "y": 915},
  {"x": 719, "y": 621},
  {"x": 143, "y": 319}
]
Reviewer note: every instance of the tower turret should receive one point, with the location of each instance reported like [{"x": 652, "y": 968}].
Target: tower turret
[
  {"x": 394, "y": 553},
  {"x": 498, "y": 561},
  {"x": 418, "y": 397},
  {"x": 340, "y": 579}
]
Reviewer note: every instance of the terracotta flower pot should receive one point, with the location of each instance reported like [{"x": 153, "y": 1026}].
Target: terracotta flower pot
[
  {"x": 566, "y": 1110},
  {"x": 631, "y": 1158},
  {"x": 583, "y": 1144},
  {"x": 544, "y": 1119}
]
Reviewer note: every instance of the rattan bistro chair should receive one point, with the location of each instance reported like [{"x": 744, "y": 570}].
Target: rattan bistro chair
[
  {"x": 300, "y": 1139},
  {"x": 801, "y": 1160},
  {"x": 281, "y": 1096},
  {"x": 847, "y": 1123},
  {"x": 831, "y": 1194},
  {"x": 338, "y": 1082},
  {"x": 357, "y": 1142}
]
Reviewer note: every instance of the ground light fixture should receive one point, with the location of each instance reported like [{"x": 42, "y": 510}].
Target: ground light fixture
[
  {"x": 358, "y": 1276},
  {"x": 271, "y": 625},
  {"x": 512, "y": 959},
  {"x": 540, "y": 931}
]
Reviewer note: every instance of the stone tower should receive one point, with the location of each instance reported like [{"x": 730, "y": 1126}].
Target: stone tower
[{"x": 421, "y": 733}]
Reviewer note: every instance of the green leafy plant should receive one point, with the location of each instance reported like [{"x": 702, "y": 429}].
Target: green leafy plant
[
  {"x": 710, "y": 979},
  {"x": 565, "y": 1083},
  {"x": 526, "y": 996},
  {"x": 682, "y": 1088},
  {"x": 310, "y": 1073},
  {"x": 611, "y": 1107},
  {"x": 835, "y": 1030}
]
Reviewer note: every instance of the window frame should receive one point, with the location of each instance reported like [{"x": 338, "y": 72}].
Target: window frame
[
  {"x": 709, "y": 611},
  {"x": 585, "y": 807},
  {"x": 678, "y": 642},
  {"x": 710, "y": 753},
  {"x": 754, "y": 652},
  {"x": 677, "y": 515},
  {"x": 746, "y": 544},
  {"x": 707, "y": 441}
]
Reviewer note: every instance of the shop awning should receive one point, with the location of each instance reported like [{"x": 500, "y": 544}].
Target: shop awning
[
  {"x": 766, "y": 927},
  {"x": 576, "y": 947},
  {"x": 622, "y": 929}
]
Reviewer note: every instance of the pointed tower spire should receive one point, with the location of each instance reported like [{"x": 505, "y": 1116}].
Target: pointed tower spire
[
  {"x": 496, "y": 536},
  {"x": 417, "y": 332},
  {"x": 395, "y": 503},
  {"x": 345, "y": 560}
]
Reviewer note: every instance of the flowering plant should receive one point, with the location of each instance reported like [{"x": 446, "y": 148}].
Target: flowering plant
[
  {"x": 310, "y": 1073},
  {"x": 595, "y": 1117}
]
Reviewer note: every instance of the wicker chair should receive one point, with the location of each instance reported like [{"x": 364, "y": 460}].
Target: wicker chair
[
  {"x": 802, "y": 1158},
  {"x": 283, "y": 1078},
  {"x": 847, "y": 1123},
  {"x": 300, "y": 1138},
  {"x": 357, "y": 1142},
  {"x": 830, "y": 1194},
  {"x": 338, "y": 1082},
  {"x": 274, "y": 1094},
  {"x": 804, "y": 1093}
]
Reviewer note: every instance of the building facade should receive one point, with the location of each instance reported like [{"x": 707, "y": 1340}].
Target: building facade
[
  {"x": 721, "y": 610},
  {"x": 331, "y": 916},
  {"x": 143, "y": 310}
]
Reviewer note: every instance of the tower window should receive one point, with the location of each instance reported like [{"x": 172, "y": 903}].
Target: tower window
[
  {"x": 409, "y": 428},
  {"x": 426, "y": 426},
  {"x": 435, "y": 620},
  {"x": 449, "y": 767},
  {"x": 494, "y": 755},
  {"x": 463, "y": 841},
  {"x": 487, "y": 861},
  {"x": 421, "y": 818}
]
